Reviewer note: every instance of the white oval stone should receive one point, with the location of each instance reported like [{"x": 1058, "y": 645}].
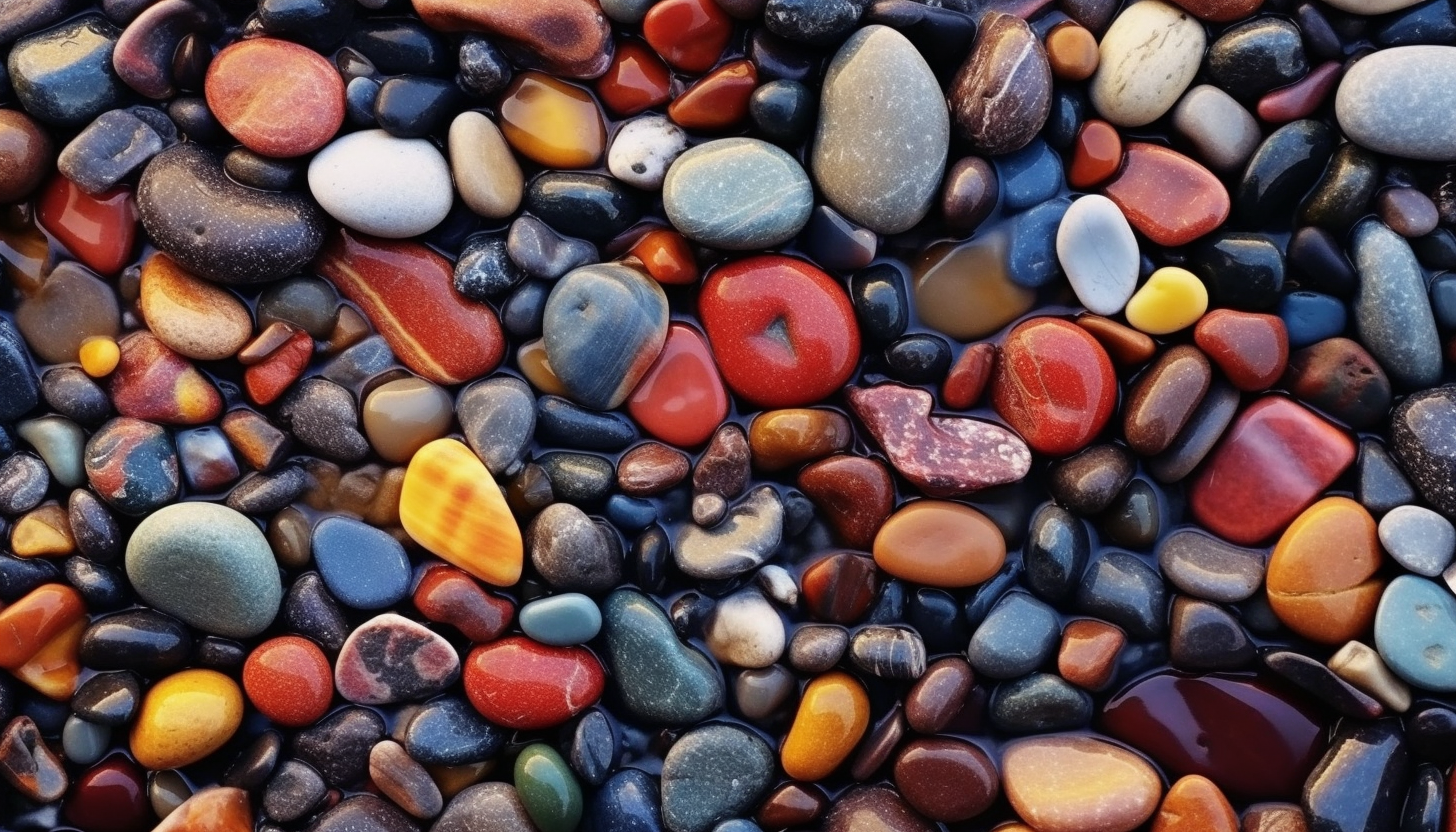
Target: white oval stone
[
  {"x": 1402, "y": 101},
  {"x": 1419, "y": 539},
  {"x": 744, "y": 630},
  {"x": 643, "y": 149},
  {"x": 1099, "y": 253},
  {"x": 381, "y": 185},
  {"x": 1223, "y": 133},
  {"x": 486, "y": 172},
  {"x": 1145, "y": 61}
]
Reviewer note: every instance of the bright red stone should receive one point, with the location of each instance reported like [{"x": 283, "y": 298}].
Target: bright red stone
[
  {"x": 681, "y": 400},
  {"x": 783, "y": 331},
  {"x": 276, "y": 97},
  {"x": 1303, "y": 97},
  {"x": 1275, "y": 459},
  {"x": 1096, "y": 154},
  {"x": 637, "y": 80},
  {"x": 288, "y": 679},
  {"x": 1054, "y": 385},
  {"x": 968, "y": 377},
  {"x": 667, "y": 256},
  {"x": 110, "y": 797},
  {"x": 689, "y": 34},
  {"x": 266, "y": 380},
  {"x": 718, "y": 100},
  {"x": 447, "y": 595},
  {"x": 407, "y": 291},
  {"x": 100, "y": 230},
  {"x": 522, "y": 684},
  {"x": 1167, "y": 196},
  {"x": 1251, "y": 349}
]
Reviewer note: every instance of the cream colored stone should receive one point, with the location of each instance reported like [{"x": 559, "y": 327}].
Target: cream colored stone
[
  {"x": 1075, "y": 783},
  {"x": 1147, "y": 59},
  {"x": 1363, "y": 668},
  {"x": 486, "y": 173}
]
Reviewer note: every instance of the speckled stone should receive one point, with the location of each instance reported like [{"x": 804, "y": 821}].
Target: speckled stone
[
  {"x": 713, "y": 773},
  {"x": 1401, "y": 101},
  {"x": 1392, "y": 310},
  {"x": 737, "y": 194}
]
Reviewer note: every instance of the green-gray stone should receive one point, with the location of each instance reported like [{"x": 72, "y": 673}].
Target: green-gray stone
[
  {"x": 207, "y": 565},
  {"x": 711, "y": 774},
  {"x": 737, "y": 194},
  {"x": 548, "y": 791},
  {"x": 660, "y": 679}
]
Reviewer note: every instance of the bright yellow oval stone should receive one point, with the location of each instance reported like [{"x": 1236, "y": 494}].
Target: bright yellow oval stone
[
  {"x": 450, "y": 504},
  {"x": 186, "y": 717},
  {"x": 1171, "y": 300},
  {"x": 99, "y": 356},
  {"x": 552, "y": 122},
  {"x": 833, "y": 714}
]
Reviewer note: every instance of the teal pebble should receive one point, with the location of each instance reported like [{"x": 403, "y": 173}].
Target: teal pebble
[
  {"x": 561, "y": 620},
  {"x": 547, "y": 789},
  {"x": 1415, "y": 632}
]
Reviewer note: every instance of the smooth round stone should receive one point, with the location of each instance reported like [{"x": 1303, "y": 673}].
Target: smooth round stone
[
  {"x": 659, "y": 678},
  {"x": 209, "y": 566},
  {"x": 277, "y": 98},
  {"x": 142, "y": 640},
  {"x": 1164, "y": 398},
  {"x": 1205, "y": 567},
  {"x": 1057, "y": 549},
  {"x": 965, "y": 290},
  {"x": 681, "y": 399},
  {"x": 604, "y": 326},
  {"x": 186, "y": 717},
  {"x": 969, "y": 193},
  {"x": 484, "y": 270},
  {"x": 1167, "y": 196},
  {"x": 1079, "y": 784},
  {"x": 561, "y": 620},
  {"x": 874, "y": 807},
  {"x": 521, "y": 684},
  {"x": 1097, "y": 250},
  {"x": 63, "y": 75},
  {"x": 737, "y": 194},
  {"x": 585, "y": 205},
  {"x": 293, "y": 791},
  {"x": 1030, "y": 255},
  {"x": 1392, "y": 310},
  {"x": 1054, "y": 385},
  {"x": 288, "y": 679},
  {"x": 1029, "y": 176},
  {"x": 486, "y": 171},
  {"x": 1001, "y": 96},
  {"x": 643, "y": 150},
  {"x": 939, "y": 543},
  {"x": 1124, "y": 590},
  {"x": 1329, "y": 601},
  {"x": 190, "y": 315},
  {"x": 338, "y": 745},
  {"x": 1256, "y": 56},
  {"x": 712, "y": 773},
  {"x": 1419, "y": 539},
  {"x": 364, "y": 567},
  {"x": 833, "y": 713},
  {"x": 61, "y": 443},
  {"x": 25, "y": 154},
  {"x": 553, "y": 123},
  {"x": 402, "y": 416},
  {"x": 84, "y": 742},
  {"x": 1017, "y": 636},
  {"x": 572, "y": 552},
  {"x": 1414, "y": 625},
  {"x": 380, "y": 185},
  {"x": 783, "y": 111},
  {"x": 1380, "y": 485},
  {"x": 1148, "y": 57},
  {"x": 547, "y": 789},
  {"x": 878, "y": 154},
  {"x": 403, "y": 780},
  {"x": 323, "y": 416},
  {"x": 109, "y": 699},
  {"x": 1221, "y": 130},
  {"x": 1037, "y": 704},
  {"x": 744, "y": 630},
  {"x": 1401, "y": 102},
  {"x": 447, "y": 731},
  {"x": 542, "y": 253},
  {"x": 1203, "y": 636}
]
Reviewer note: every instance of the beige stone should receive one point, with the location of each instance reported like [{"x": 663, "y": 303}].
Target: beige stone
[
  {"x": 1363, "y": 668},
  {"x": 486, "y": 173},
  {"x": 1148, "y": 57}
]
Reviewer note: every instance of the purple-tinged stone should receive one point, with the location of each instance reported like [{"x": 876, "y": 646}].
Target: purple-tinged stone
[
  {"x": 392, "y": 659},
  {"x": 132, "y": 465}
]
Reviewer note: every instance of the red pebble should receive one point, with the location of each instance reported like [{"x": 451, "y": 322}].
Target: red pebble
[
  {"x": 783, "y": 331},
  {"x": 667, "y": 256},
  {"x": 100, "y": 230},
  {"x": 1167, "y": 196},
  {"x": 1251, "y": 349},
  {"x": 840, "y": 588},
  {"x": 447, "y": 595},
  {"x": 522, "y": 684},
  {"x": 1096, "y": 154},
  {"x": 718, "y": 100},
  {"x": 1275, "y": 459},
  {"x": 288, "y": 679},
  {"x": 968, "y": 377},
  {"x": 637, "y": 80},
  {"x": 689, "y": 34},
  {"x": 1054, "y": 385},
  {"x": 855, "y": 495},
  {"x": 276, "y": 97},
  {"x": 266, "y": 380},
  {"x": 1303, "y": 97},
  {"x": 110, "y": 797},
  {"x": 681, "y": 400}
]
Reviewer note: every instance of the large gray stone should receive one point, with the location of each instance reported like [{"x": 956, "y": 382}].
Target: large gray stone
[
  {"x": 1392, "y": 310},
  {"x": 737, "y": 194},
  {"x": 711, "y": 774},
  {"x": 1402, "y": 101}
]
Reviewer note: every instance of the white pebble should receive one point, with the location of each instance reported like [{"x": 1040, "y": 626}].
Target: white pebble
[
  {"x": 644, "y": 149},
  {"x": 381, "y": 185}
]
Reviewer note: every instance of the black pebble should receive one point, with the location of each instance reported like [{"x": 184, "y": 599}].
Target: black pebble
[{"x": 414, "y": 106}]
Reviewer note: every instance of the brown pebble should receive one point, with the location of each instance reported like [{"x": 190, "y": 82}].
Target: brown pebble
[
  {"x": 403, "y": 780},
  {"x": 650, "y": 469},
  {"x": 1088, "y": 654},
  {"x": 1126, "y": 346},
  {"x": 878, "y": 808},
  {"x": 723, "y": 467},
  {"x": 946, "y": 779},
  {"x": 28, "y": 764},
  {"x": 1087, "y": 483},
  {"x": 195, "y": 317},
  {"x": 1072, "y": 52},
  {"x": 855, "y": 495},
  {"x": 1002, "y": 94},
  {"x": 26, "y": 153},
  {"x": 257, "y": 440},
  {"x": 780, "y": 439},
  {"x": 792, "y": 805},
  {"x": 938, "y": 695},
  {"x": 291, "y": 536},
  {"x": 817, "y": 648},
  {"x": 404, "y": 415},
  {"x": 968, "y": 194},
  {"x": 1407, "y": 211},
  {"x": 875, "y": 750},
  {"x": 1274, "y": 817},
  {"x": 265, "y": 343},
  {"x": 1164, "y": 397}
]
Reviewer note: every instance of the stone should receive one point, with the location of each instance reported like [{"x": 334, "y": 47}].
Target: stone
[
  {"x": 520, "y": 684},
  {"x": 486, "y": 173},
  {"x": 1164, "y": 398},
  {"x": 209, "y": 566},
  {"x": 278, "y": 98},
  {"x": 833, "y": 713},
  {"x": 403, "y": 780},
  {"x": 644, "y": 149},
  {"x": 1405, "y": 85},
  {"x": 742, "y": 541},
  {"x": 1121, "y": 588},
  {"x": 744, "y": 630},
  {"x": 1065, "y": 783},
  {"x": 492, "y": 806},
  {"x": 1017, "y": 636},
  {"x": 288, "y": 679},
  {"x": 688, "y": 34},
  {"x": 553, "y": 123},
  {"x": 1358, "y": 783},
  {"x": 1099, "y": 254},
  {"x": 565, "y": 37},
  {"x": 878, "y": 157},
  {"x": 404, "y": 415},
  {"x": 380, "y": 185},
  {"x": 364, "y": 811},
  {"x": 547, "y": 789},
  {"x": 1251, "y": 349},
  {"x": 888, "y": 652},
  {"x": 1195, "y": 803},
  {"x": 874, "y": 807},
  {"x": 1088, "y": 654},
  {"x": 293, "y": 791},
  {"x": 1203, "y": 636},
  {"x": 338, "y": 745},
  {"x": 1329, "y": 602},
  {"x": 637, "y": 79},
  {"x": 215, "y": 809},
  {"x": 29, "y": 765},
  {"x": 62, "y": 75},
  {"x": 1028, "y": 390},
  {"x": 713, "y": 772},
  {"x": 1087, "y": 483},
  {"x": 18, "y": 382},
  {"x": 323, "y": 416},
  {"x": 185, "y": 717},
  {"x": 1148, "y": 57},
  {"x": 593, "y": 306},
  {"x": 939, "y": 543},
  {"x": 659, "y": 679},
  {"x": 450, "y": 505},
  {"x": 112, "y": 147},
  {"x": 1220, "y": 129},
  {"x": 573, "y": 553},
  {"x": 1418, "y": 539},
  {"x": 1001, "y": 96},
  {"x": 142, "y": 640},
  {"x": 1096, "y": 154},
  {"x": 965, "y": 290},
  {"x": 737, "y": 194},
  {"x": 1418, "y": 440},
  {"x": 1256, "y": 56},
  {"x": 969, "y": 193},
  {"x": 1412, "y": 625},
  {"x": 718, "y": 101},
  {"x": 681, "y": 399},
  {"x": 561, "y": 620},
  {"x": 1206, "y": 567},
  {"x": 498, "y": 417},
  {"x": 193, "y": 317},
  {"x": 154, "y": 383},
  {"x": 1392, "y": 312},
  {"x": 1361, "y": 666},
  {"x": 391, "y": 659}
]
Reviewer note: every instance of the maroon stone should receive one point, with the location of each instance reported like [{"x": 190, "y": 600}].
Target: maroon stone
[
  {"x": 968, "y": 377},
  {"x": 840, "y": 588},
  {"x": 110, "y": 797},
  {"x": 855, "y": 494}
]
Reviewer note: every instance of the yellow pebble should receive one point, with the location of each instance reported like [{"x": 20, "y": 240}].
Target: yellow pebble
[
  {"x": 99, "y": 356},
  {"x": 1171, "y": 300},
  {"x": 833, "y": 715},
  {"x": 450, "y": 505},
  {"x": 186, "y": 717},
  {"x": 44, "y": 532}
]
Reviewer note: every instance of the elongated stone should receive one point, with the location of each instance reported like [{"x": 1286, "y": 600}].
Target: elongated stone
[
  {"x": 1002, "y": 95},
  {"x": 1392, "y": 309}
]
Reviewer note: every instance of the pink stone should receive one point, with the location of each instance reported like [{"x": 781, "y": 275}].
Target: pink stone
[{"x": 390, "y": 658}]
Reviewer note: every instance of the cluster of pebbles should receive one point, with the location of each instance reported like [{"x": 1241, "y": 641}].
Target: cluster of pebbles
[{"x": 727, "y": 415}]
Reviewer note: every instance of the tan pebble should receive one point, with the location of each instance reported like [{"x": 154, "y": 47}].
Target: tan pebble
[
  {"x": 486, "y": 172},
  {"x": 1363, "y": 668},
  {"x": 402, "y": 415},
  {"x": 1075, "y": 783},
  {"x": 190, "y": 315}
]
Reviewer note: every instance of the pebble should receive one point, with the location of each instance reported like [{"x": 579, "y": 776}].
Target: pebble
[
  {"x": 658, "y": 678},
  {"x": 572, "y": 552},
  {"x": 324, "y": 417},
  {"x": 193, "y": 317},
  {"x": 1329, "y": 602},
  {"x": 1251, "y": 349},
  {"x": 364, "y": 811},
  {"x": 1361, "y": 666},
  {"x": 1418, "y": 427},
  {"x": 1164, "y": 398},
  {"x": 644, "y": 149},
  {"x": 288, "y": 680},
  {"x": 337, "y": 746},
  {"x": 279, "y": 99},
  {"x": 1392, "y": 313},
  {"x": 185, "y": 717},
  {"x": 832, "y": 716},
  {"x": 498, "y": 417},
  {"x": 1147, "y": 58},
  {"x": 840, "y": 587},
  {"x": 939, "y": 543},
  {"x": 492, "y": 806},
  {"x": 113, "y": 146},
  {"x": 1390, "y": 104},
  {"x": 1220, "y": 129},
  {"x": 1038, "y": 703},
  {"x": 1067, "y": 783},
  {"x": 392, "y": 659},
  {"x": 712, "y": 773},
  {"x": 153, "y": 383},
  {"x": 888, "y": 652},
  {"x": 681, "y": 399},
  {"x": 1167, "y": 196},
  {"x": 1412, "y": 626},
  {"x": 1418, "y": 539},
  {"x": 294, "y": 791},
  {"x": 70, "y": 308},
  {"x": 604, "y": 326},
  {"x": 1017, "y": 636},
  {"x": 1029, "y": 392},
  {"x": 547, "y": 789},
  {"x": 1341, "y": 378},
  {"x": 404, "y": 415},
  {"x": 403, "y": 780},
  {"x": 377, "y": 184},
  {"x": 308, "y": 609},
  {"x": 750, "y": 533},
  {"x": 450, "y": 505},
  {"x": 24, "y": 481},
  {"x": 25, "y": 153},
  {"x": 1056, "y": 552},
  {"x": 561, "y": 620},
  {"x": 518, "y": 683},
  {"x": 446, "y": 731},
  {"x": 816, "y": 648},
  {"x": 1001, "y": 96},
  {"x": 486, "y": 173},
  {"x": 873, "y": 807},
  {"x": 877, "y": 156},
  {"x": 1358, "y": 783},
  {"x": 1380, "y": 485},
  {"x": 1196, "y": 803},
  {"x": 566, "y": 37},
  {"x": 29, "y": 765},
  {"x": 141, "y": 640},
  {"x": 744, "y": 630},
  {"x": 1088, "y": 654},
  {"x": 1206, "y": 567},
  {"x": 553, "y": 123},
  {"x": 109, "y": 699},
  {"x": 1203, "y": 637},
  {"x": 1123, "y": 589},
  {"x": 209, "y": 566},
  {"x": 542, "y": 253},
  {"x": 737, "y": 194},
  {"x": 1099, "y": 254},
  {"x": 63, "y": 75}
]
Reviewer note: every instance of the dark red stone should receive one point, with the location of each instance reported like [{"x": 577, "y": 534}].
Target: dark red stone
[
  {"x": 1096, "y": 154},
  {"x": 100, "y": 230},
  {"x": 1167, "y": 196},
  {"x": 1251, "y": 349},
  {"x": 637, "y": 80},
  {"x": 1054, "y": 385},
  {"x": 1252, "y": 739},
  {"x": 681, "y": 400},
  {"x": 688, "y": 34},
  {"x": 447, "y": 595},
  {"x": 269, "y": 378},
  {"x": 154, "y": 383},
  {"x": 522, "y": 684},
  {"x": 1303, "y": 97},
  {"x": 1340, "y": 377},
  {"x": 968, "y": 377},
  {"x": 110, "y": 797},
  {"x": 855, "y": 495},
  {"x": 840, "y": 588}
]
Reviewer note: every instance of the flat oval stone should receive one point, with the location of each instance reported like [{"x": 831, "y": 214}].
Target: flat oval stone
[
  {"x": 1147, "y": 59},
  {"x": 1402, "y": 102},
  {"x": 450, "y": 505},
  {"x": 1419, "y": 539},
  {"x": 1099, "y": 254},
  {"x": 1392, "y": 311},
  {"x": 71, "y": 307},
  {"x": 486, "y": 172},
  {"x": 1079, "y": 784},
  {"x": 604, "y": 326},
  {"x": 712, "y": 773},
  {"x": 363, "y": 566},
  {"x": 278, "y": 98},
  {"x": 1164, "y": 398},
  {"x": 520, "y": 684},
  {"x": 561, "y": 620},
  {"x": 390, "y": 659},
  {"x": 1205, "y": 567},
  {"x": 1223, "y": 133},
  {"x": 377, "y": 184},
  {"x": 1167, "y": 196},
  {"x": 1002, "y": 94},
  {"x": 1054, "y": 385},
  {"x": 878, "y": 152},
  {"x": 186, "y": 717},
  {"x": 1414, "y": 625},
  {"x": 193, "y": 317},
  {"x": 737, "y": 194},
  {"x": 939, "y": 543},
  {"x": 209, "y": 566}
]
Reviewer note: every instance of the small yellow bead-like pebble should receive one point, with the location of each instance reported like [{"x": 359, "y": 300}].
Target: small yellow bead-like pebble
[
  {"x": 833, "y": 715},
  {"x": 450, "y": 505},
  {"x": 99, "y": 356},
  {"x": 186, "y": 717},
  {"x": 1171, "y": 300}
]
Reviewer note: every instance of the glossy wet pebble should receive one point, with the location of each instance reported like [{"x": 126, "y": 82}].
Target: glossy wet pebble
[
  {"x": 1065, "y": 783},
  {"x": 737, "y": 194},
  {"x": 711, "y": 774},
  {"x": 382, "y": 185}
]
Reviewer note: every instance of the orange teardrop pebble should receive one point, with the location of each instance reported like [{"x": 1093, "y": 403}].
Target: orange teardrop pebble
[
  {"x": 833, "y": 715},
  {"x": 1321, "y": 577},
  {"x": 1195, "y": 804},
  {"x": 451, "y": 506}
]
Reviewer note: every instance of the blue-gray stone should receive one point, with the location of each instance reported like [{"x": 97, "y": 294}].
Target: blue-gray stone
[
  {"x": 207, "y": 565},
  {"x": 561, "y": 620},
  {"x": 1403, "y": 102},
  {"x": 737, "y": 194},
  {"x": 1017, "y": 637},
  {"x": 540, "y": 252},
  {"x": 498, "y": 417},
  {"x": 1415, "y": 632},
  {"x": 84, "y": 742},
  {"x": 111, "y": 147},
  {"x": 364, "y": 567},
  {"x": 604, "y": 326},
  {"x": 1031, "y": 256},
  {"x": 448, "y": 731},
  {"x": 1392, "y": 310},
  {"x": 63, "y": 75},
  {"x": 484, "y": 271},
  {"x": 713, "y": 773},
  {"x": 742, "y": 541},
  {"x": 560, "y": 422},
  {"x": 1121, "y": 588},
  {"x": 593, "y": 749},
  {"x": 660, "y": 680},
  {"x": 19, "y": 17},
  {"x": 1030, "y": 176},
  {"x": 1039, "y": 703},
  {"x": 628, "y": 802},
  {"x": 19, "y": 388},
  {"x": 1419, "y": 539}
]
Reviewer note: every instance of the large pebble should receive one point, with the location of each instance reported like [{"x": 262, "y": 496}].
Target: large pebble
[
  {"x": 660, "y": 679},
  {"x": 744, "y": 630},
  {"x": 713, "y": 773},
  {"x": 1392, "y": 310},
  {"x": 604, "y": 326},
  {"x": 450, "y": 505},
  {"x": 364, "y": 567},
  {"x": 566, "y": 37},
  {"x": 486, "y": 172},
  {"x": 186, "y": 717},
  {"x": 391, "y": 659},
  {"x": 382, "y": 185},
  {"x": 1415, "y": 632},
  {"x": 63, "y": 75},
  {"x": 737, "y": 194},
  {"x": 1079, "y": 784},
  {"x": 1148, "y": 57},
  {"x": 193, "y": 317},
  {"x": 883, "y": 132},
  {"x": 498, "y": 418},
  {"x": 209, "y": 566},
  {"x": 1099, "y": 253},
  {"x": 1002, "y": 94},
  {"x": 520, "y": 684},
  {"x": 1054, "y": 385},
  {"x": 1401, "y": 101}
]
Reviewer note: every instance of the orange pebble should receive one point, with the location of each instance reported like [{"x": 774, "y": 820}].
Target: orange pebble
[
  {"x": 940, "y": 543},
  {"x": 451, "y": 506},
  {"x": 1195, "y": 804},
  {"x": 552, "y": 122},
  {"x": 833, "y": 714},
  {"x": 37, "y": 618},
  {"x": 1088, "y": 655},
  {"x": 288, "y": 680},
  {"x": 667, "y": 257},
  {"x": 1321, "y": 577},
  {"x": 1072, "y": 52},
  {"x": 99, "y": 356}
]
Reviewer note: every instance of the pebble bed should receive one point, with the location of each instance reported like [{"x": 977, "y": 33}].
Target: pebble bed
[{"x": 727, "y": 415}]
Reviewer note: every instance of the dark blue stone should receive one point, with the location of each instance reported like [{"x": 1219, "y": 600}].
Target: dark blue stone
[
  {"x": 1029, "y": 176},
  {"x": 484, "y": 270},
  {"x": 593, "y": 750},
  {"x": 918, "y": 359},
  {"x": 985, "y": 596},
  {"x": 1282, "y": 170},
  {"x": 1123, "y": 589},
  {"x": 484, "y": 70},
  {"x": 1443, "y": 300},
  {"x": 359, "y": 98},
  {"x": 263, "y": 172},
  {"x": 309, "y": 610},
  {"x": 1070, "y": 108},
  {"x": 878, "y": 295},
  {"x": 815, "y": 22},
  {"x": 362, "y": 566},
  {"x": 63, "y": 75},
  {"x": 943, "y": 36},
  {"x": 650, "y": 554},
  {"x": 317, "y": 24},
  {"x": 889, "y": 608},
  {"x": 1311, "y": 317},
  {"x": 100, "y": 585},
  {"x": 1254, "y": 57},
  {"x": 1057, "y": 549},
  {"x": 561, "y": 422},
  {"x": 586, "y": 205},
  {"x": 1436, "y": 250},
  {"x": 783, "y": 111},
  {"x": 414, "y": 106},
  {"x": 524, "y": 311},
  {"x": 628, "y": 802},
  {"x": 111, "y": 147},
  {"x": 1032, "y": 253},
  {"x": 1428, "y": 23},
  {"x": 448, "y": 731},
  {"x": 630, "y": 513},
  {"x": 1425, "y": 801},
  {"x": 778, "y": 58},
  {"x": 19, "y": 388},
  {"x": 402, "y": 46},
  {"x": 1359, "y": 783},
  {"x": 19, "y": 576},
  {"x": 936, "y": 615},
  {"x": 194, "y": 120},
  {"x": 1319, "y": 260}
]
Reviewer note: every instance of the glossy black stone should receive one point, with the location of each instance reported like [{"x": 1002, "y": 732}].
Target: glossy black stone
[
  {"x": 595, "y": 208},
  {"x": 583, "y": 479},
  {"x": 19, "y": 576},
  {"x": 109, "y": 699},
  {"x": 143, "y": 640},
  {"x": 1320, "y": 38},
  {"x": 1282, "y": 170},
  {"x": 880, "y": 304},
  {"x": 73, "y": 394},
  {"x": 1443, "y": 300},
  {"x": 447, "y": 731},
  {"x": 1057, "y": 549},
  {"x": 194, "y": 120},
  {"x": 942, "y": 35},
  {"x": 783, "y": 111},
  {"x": 19, "y": 388},
  {"x": 1344, "y": 190},
  {"x": 627, "y": 802},
  {"x": 24, "y": 480},
  {"x": 936, "y": 615},
  {"x": 1430, "y": 728},
  {"x": 1242, "y": 270},
  {"x": 221, "y": 654},
  {"x": 293, "y": 791},
  {"x": 255, "y": 763},
  {"x": 561, "y": 422},
  {"x": 402, "y": 46},
  {"x": 359, "y": 97},
  {"x": 985, "y": 596},
  {"x": 918, "y": 359},
  {"x": 264, "y": 492},
  {"x": 414, "y": 106},
  {"x": 778, "y": 58},
  {"x": 364, "y": 811},
  {"x": 1135, "y": 518},
  {"x": 1251, "y": 58},
  {"x": 1360, "y": 782},
  {"x": 1425, "y": 801},
  {"x": 889, "y": 608},
  {"x": 317, "y": 24},
  {"x": 484, "y": 70},
  {"x": 1124, "y": 590},
  {"x": 524, "y": 311},
  {"x": 102, "y": 587},
  {"x": 483, "y": 270},
  {"x": 1039, "y": 703},
  {"x": 1205, "y": 636},
  {"x": 1070, "y": 108},
  {"x": 262, "y": 172},
  {"x": 63, "y": 75},
  {"x": 815, "y": 22},
  {"x": 338, "y": 745},
  {"x": 650, "y": 553},
  {"x": 592, "y": 752},
  {"x": 309, "y": 610},
  {"x": 1317, "y": 261}
]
